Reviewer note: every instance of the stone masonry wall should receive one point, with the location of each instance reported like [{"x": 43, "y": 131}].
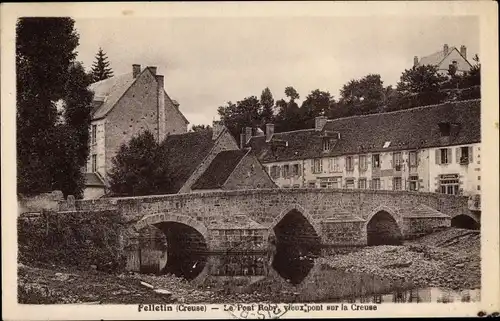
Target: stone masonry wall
[
  {"x": 249, "y": 174},
  {"x": 135, "y": 112}
]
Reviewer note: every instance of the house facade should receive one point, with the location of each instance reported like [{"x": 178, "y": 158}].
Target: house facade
[
  {"x": 124, "y": 106},
  {"x": 428, "y": 149},
  {"x": 444, "y": 58}
]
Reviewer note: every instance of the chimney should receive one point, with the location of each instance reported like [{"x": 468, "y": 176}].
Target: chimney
[
  {"x": 415, "y": 61},
  {"x": 242, "y": 140},
  {"x": 269, "y": 132},
  {"x": 445, "y": 49},
  {"x": 153, "y": 69},
  {"x": 136, "y": 70},
  {"x": 320, "y": 122},
  {"x": 162, "y": 122},
  {"x": 217, "y": 128},
  {"x": 248, "y": 134},
  {"x": 463, "y": 51}
]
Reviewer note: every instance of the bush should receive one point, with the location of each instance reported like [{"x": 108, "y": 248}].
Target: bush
[{"x": 78, "y": 239}]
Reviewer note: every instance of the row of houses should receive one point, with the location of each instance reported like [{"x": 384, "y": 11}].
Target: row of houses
[{"x": 427, "y": 149}]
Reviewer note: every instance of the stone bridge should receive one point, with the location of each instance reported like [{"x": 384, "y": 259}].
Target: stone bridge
[{"x": 252, "y": 219}]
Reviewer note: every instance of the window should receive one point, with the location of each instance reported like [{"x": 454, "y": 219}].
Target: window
[
  {"x": 362, "y": 183},
  {"x": 443, "y": 156},
  {"x": 296, "y": 185},
  {"x": 312, "y": 185},
  {"x": 375, "y": 183},
  {"x": 94, "y": 163},
  {"x": 317, "y": 165},
  {"x": 396, "y": 160},
  {"x": 464, "y": 155},
  {"x": 330, "y": 182},
  {"x": 376, "y": 160},
  {"x": 296, "y": 169},
  {"x": 275, "y": 171},
  {"x": 413, "y": 183},
  {"x": 349, "y": 163},
  {"x": 349, "y": 183},
  {"x": 286, "y": 171},
  {"x": 397, "y": 184},
  {"x": 448, "y": 184},
  {"x": 333, "y": 165},
  {"x": 326, "y": 144},
  {"x": 94, "y": 134},
  {"x": 413, "y": 159},
  {"x": 363, "y": 165}
]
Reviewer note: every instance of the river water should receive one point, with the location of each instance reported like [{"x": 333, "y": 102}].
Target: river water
[{"x": 291, "y": 277}]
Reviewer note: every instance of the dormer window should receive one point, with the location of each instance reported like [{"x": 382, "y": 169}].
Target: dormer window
[
  {"x": 326, "y": 145},
  {"x": 444, "y": 129}
]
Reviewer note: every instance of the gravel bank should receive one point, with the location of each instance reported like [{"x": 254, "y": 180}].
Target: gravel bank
[{"x": 448, "y": 259}]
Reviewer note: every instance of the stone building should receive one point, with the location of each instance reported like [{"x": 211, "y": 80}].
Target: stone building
[
  {"x": 211, "y": 160},
  {"x": 446, "y": 57},
  {"x": 428, "y": 149},
  {"x": 123, "y": 106}
]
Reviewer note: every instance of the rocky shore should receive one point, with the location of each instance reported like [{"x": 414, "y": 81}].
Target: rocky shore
[{"x": 447, "y": 259}]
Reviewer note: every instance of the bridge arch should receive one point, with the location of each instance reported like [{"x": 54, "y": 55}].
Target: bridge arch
[
  {"x": 183, "y": 252},
  {"x": 465, "y": 221},
  {"x": 154, "y": 219},
  {"x": 302, "y": 211},
  {"x": 383, "y": 226}
]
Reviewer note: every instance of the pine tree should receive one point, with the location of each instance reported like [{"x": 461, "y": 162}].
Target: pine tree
[{"x": 100, "y": 67}]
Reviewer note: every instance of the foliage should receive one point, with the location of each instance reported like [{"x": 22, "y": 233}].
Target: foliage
[
  {"x": 197, "y": 128},
  {"x": 422, "y": 85},
  {"x": 138, "y": 168},
  {"x": 72, "y": 239},
  {"x": 47, "y": 74},
  {"x": 267, "y": 105},
  {"x": 100, "y": 67},
  {"x": 237, "y": 116}
]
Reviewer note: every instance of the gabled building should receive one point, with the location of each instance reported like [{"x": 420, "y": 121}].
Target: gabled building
[
  {"x": 444, "y": 58},
  {"x": 429, "y": 149},
  {"x": 123, "y": 106},
  {"x": 211, "y": 160}
]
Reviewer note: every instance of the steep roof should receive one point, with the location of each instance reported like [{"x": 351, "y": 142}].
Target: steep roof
[
  {"x": 405, "y": 129},
  {"x": 107, "y": 92},
  {"x": 91, "y": 179},
  {"x": 436, "y": 58},
  {"x": 184, "y": 152},
  {"x": 219, "y": 170}
]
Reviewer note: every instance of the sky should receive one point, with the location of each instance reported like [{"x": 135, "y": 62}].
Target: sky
[{"x": 209, "y": 61}]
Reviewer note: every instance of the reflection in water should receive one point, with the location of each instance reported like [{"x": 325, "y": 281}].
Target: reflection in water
[{"x": 295, "y": 276}]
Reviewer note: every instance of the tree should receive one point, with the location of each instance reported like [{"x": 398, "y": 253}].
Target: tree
[
  {"x": 317, "y": 103},
  {"x": 45, "y": 52},
  {"x": 197, "y": 128},
  {"x": 267, "y": 103},
  {"x": 289, "y": 115},
  {"x": 421, "y": 85},
  {"x": 72, "y": 153},
  {"x": 240, "y": 115},
  {"x": 139, "y": 168},
  {"x": 362, "y": 96},
  {"x": 100, "y": 67}
]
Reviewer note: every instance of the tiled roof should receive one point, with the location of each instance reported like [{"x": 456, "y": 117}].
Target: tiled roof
[
  {"x": 183, "y": 153},
  {"x": 91, "y": 179},
  {"x": 109, "y": 91},
  {"x": 219, "y": 170},
  {"x": 436, "y": 58},
  {"x": 405, "y": 129}
]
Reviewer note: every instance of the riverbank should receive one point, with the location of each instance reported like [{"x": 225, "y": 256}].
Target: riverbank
[{"x": 447, "y": 259}]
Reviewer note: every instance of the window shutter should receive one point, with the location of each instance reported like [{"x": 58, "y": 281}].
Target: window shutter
[
  {"x": 278, "y": 171},
  {"x": 312, "y": 165},
  {"x": 394, "y": 159},
  {"x": 381, "y": 184},
  {"x": 371, "y": 184},
  {"x": 438, "y": 156},
  {"x": 458, "y": 151},
  {"x": 471, "y": 149},
  {"x": 298, "y": 170},
  {"x": 448, "y": 151}
]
